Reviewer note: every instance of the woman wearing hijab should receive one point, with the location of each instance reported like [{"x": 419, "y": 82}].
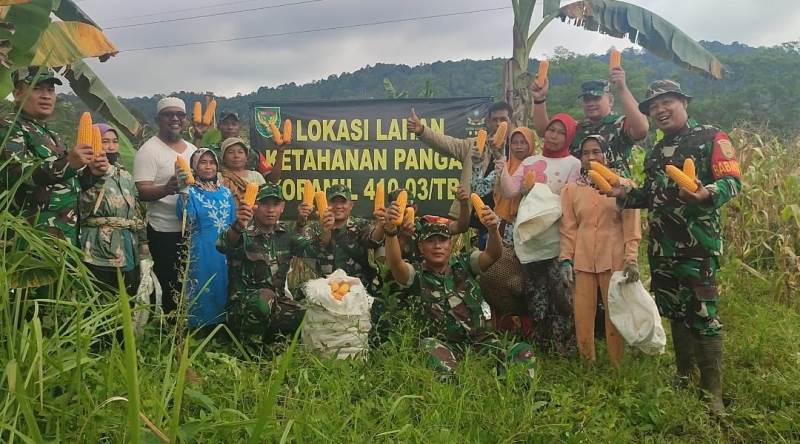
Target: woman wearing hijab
[
  {"x": 503, "y": 283},
  {"x": 112, "y": 232},
  {"x": 207, "y": 209},
  {"x": 547, "y": 288},
  {"x": 597, "y": 239},
  {"x": 235, "y": 174}
]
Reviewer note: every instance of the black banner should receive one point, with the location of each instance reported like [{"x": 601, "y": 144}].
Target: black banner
[{"x": 360, "y": 143}]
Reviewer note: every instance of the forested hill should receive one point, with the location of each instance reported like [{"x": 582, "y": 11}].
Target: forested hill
[{"x": 761, "y": 84}]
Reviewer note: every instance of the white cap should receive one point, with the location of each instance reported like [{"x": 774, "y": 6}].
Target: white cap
[{"x": 168, "y": 102}]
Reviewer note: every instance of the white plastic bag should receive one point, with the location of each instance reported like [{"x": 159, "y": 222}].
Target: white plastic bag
[
  {"x": 339, "y": 328},
  {"x": 148, "y": 284},
  {"x": 536, "y": 234},
  {"x": 635, "y": 314}
]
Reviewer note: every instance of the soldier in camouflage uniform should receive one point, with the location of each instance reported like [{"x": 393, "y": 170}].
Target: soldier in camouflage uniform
[
  {"x": 35, "y": 158},
  {"x": 621, "y": 132},
  {"x": 259, "y": 255},
  {"x": 350, "y": 240},
  {"x": 685, "y": 232},
  {"x": 446, "y": 289},
  {"x": 113, "y": 234},
  {"x": 230, "y": 125}
]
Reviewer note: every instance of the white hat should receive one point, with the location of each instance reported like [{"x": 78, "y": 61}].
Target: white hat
[{"x": 168, "y": 102}]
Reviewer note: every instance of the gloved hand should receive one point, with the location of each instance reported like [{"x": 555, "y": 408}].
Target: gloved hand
[
  {"x": 631, "y": 272},
  {"x": 567, "y": 273}
]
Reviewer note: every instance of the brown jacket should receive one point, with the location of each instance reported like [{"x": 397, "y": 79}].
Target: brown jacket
[
  {"x": 595, "y": 233},
  {"x": 459, "y": 149}
]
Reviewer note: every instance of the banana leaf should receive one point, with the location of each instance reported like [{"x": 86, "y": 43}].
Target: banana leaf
[
  {"x": 644, "y": 28},
  {"x": 94, "y": 93},
  {"x": 73, "y": 38},
  {"x": 23, "y": 25}
]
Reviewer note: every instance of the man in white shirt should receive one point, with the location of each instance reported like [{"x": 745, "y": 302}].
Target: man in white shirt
[{"x": 154, "y": 174}]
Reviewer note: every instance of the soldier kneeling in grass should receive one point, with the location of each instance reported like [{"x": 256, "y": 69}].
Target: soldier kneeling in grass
[
  {"x": 259, "y": 254},
  {"x": 447, "y": 289}
]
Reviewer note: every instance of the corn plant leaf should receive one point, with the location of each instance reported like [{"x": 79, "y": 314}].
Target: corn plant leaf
[{"x": 643, "y": 27}]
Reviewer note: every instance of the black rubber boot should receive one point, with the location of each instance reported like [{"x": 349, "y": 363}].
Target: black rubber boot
[
  {"x": 683, "y": 342},
  {"x": 709, "y": 358}
]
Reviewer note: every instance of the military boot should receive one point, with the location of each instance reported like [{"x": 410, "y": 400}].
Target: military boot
[
  {"x": 709, "y": 358},
  {"x": 683, "y": 343}
]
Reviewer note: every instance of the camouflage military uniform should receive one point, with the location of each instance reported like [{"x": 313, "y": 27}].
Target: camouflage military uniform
[
  {"x": 50, "y": 187},
  {"x": 349, "y": 251},
  {"x": 454, "y": 311},
  {"x": 259, "y": 302},
  {"x": 612, "y": 127},
  {"x": 112, "y": 227},
  {"x": 685, "y": 240}
]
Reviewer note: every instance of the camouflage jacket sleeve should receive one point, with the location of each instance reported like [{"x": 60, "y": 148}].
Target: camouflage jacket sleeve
[
  {"x": 29, "y": 157},
  {"x": 725, "y": 171},
  {"x": 226, "y": 248},
  {"x": 636, "y": 197},
  {"x": 365, "y": 235}
]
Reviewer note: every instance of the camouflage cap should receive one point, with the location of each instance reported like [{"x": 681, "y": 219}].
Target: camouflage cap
[
  {"x": 433, "y": 226},
  {"x": 227, "y": 114},
  {"x": 594, "y": 88},
  {"x": 393, "y": 196},
  {"x": 270, "y": 190},
  {"x": 338, "y": 191},
  {"x": 28, "y": 75},
  {"x": 659, "y": 88}
]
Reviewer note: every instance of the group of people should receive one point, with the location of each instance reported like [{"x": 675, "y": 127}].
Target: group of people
[{"x": 239, "y": 256}]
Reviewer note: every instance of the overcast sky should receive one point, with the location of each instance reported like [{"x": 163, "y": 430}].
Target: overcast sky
[{"x": 243, "y": 66}]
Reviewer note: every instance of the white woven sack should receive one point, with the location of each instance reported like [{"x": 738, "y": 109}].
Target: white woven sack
[
  {"x": 536, "y": 234},
  {"x": 148, "y": 284},
  {"x": 337, "y": 328},
  {"x": 635, "y": 314}
]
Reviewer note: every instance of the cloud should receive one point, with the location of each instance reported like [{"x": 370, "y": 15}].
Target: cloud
[{"x": 243, "y": 66}]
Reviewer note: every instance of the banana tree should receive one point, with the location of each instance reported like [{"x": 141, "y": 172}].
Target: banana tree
[
  {"x": 610, "y": 17},
  {"x": 28, "y": 36}
]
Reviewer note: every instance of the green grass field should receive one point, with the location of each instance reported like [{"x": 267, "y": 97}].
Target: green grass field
[{"x": 394, "y": 397}]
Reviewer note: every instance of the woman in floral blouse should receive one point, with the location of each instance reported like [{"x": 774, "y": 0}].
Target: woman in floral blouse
[{"x": 207, "y": 208}]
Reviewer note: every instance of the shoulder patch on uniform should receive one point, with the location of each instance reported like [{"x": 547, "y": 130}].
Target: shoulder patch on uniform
[{"x": 723, "y": 157}]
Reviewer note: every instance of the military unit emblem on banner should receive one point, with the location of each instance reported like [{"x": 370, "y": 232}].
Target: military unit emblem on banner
[{"x": 263, "y": 116}]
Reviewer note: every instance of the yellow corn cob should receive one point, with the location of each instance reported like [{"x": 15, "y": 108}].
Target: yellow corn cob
[
  {"x": 208, "y": 116},
  {"x": 500, "y": 135},
  {"x": 614, "y": 59},
  {"x": 681, "y": 179},
  {"x": 287, "y": 131},
  {"x": 600, "y": 181},
  {"x": 97, "y": 142},
  {"x": 308, "y": 192},
  {"x": 250, "y": 194},
  {"x": 611, "y": 177},
  {"x": 477, "y": 203},
  {"x": 322, "y": 203},
  {"x": 197, "y": 115},
  {"x": 84, "y": 130},
  {"x": 480, "y": 141},
  {"x": 541, "y": 74},
  {"x": 184, "y": 166},
  {"x": 688, "y": 168},
  {"x": 276, "y": 133},
  {"x": 402, "y": 201},
  {"x": 380, "y": 196},
  {"x": 409, "y": 216},
  {"x": 335, "y": 286},
  {"x": 529, "y": 180}
]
